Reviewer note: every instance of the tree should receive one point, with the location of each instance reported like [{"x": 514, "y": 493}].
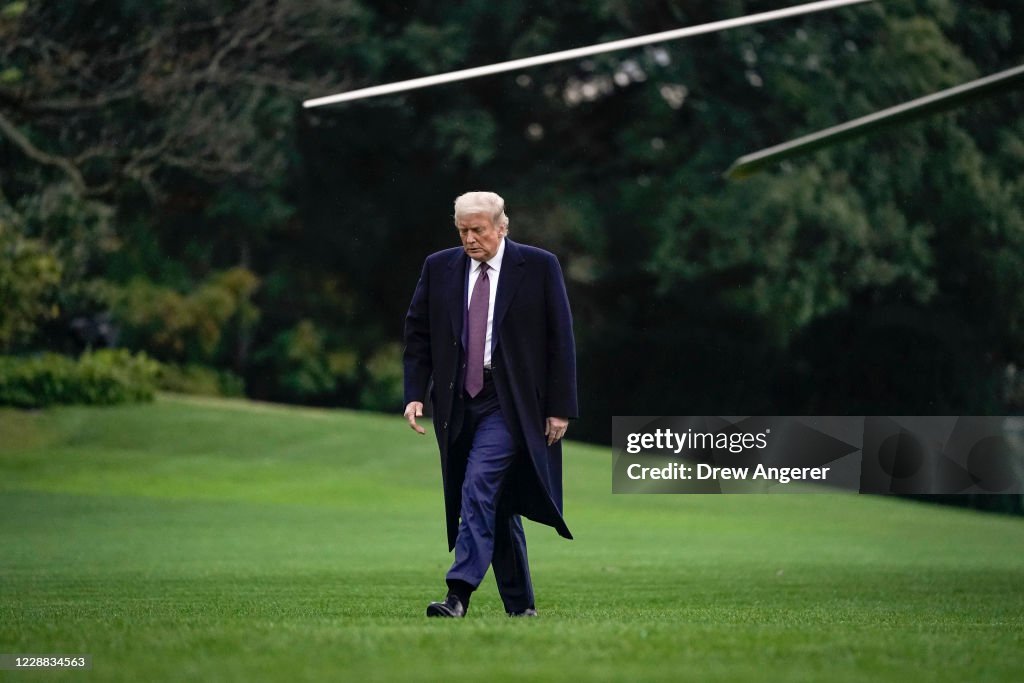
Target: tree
[
  {"x": 29, "y": 276},
  {"x": 136, "y": 94}
]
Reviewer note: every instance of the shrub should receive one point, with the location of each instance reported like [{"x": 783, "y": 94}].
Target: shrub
[
  {"x": 383, "y": 388},
  {"x": 30, "y": 275},
  {"x": 103, "y": 377},
  {"x": 200, "y": 380},
  {"x": 194, "y": 326},
  {"x": 300, "y": 363}
]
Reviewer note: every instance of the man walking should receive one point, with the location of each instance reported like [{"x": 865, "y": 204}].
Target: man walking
[{"x": 489, "y": 333}]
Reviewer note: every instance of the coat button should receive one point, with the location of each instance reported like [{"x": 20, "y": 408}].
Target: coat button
[
  {"x": 463, "y": 366},
  {"x": 451, "y": 385},
  {"x": 455, "y": 343},
  {"x": 444, "y": 426}
]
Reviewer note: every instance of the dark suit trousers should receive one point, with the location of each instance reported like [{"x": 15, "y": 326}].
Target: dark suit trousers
[{"x": 489, "y": 534}]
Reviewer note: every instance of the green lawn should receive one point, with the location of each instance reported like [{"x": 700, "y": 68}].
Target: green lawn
[{"x": 199, "y": 539}]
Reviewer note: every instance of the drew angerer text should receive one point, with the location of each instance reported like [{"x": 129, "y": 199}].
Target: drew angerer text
[{"x": 702, "y": 471}]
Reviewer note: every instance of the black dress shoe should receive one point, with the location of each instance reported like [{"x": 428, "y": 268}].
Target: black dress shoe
[
  {"x": 528, "y": 612},
  {"x": 451, "y": 607}
]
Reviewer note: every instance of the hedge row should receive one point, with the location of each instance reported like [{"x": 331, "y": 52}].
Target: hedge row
[{"x": 103, "y": 377}]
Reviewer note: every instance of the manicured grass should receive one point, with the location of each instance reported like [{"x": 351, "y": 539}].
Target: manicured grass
[{"x": 197, "y": 539}]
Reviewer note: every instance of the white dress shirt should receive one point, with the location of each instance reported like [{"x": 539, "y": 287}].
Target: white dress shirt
[{"x": 494, "y": 270}]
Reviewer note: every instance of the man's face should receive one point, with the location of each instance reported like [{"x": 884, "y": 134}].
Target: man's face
[{"x": 480, "y": 238}]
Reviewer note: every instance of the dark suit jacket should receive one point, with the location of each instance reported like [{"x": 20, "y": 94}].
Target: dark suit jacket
[{"x": 533, "y": 359}]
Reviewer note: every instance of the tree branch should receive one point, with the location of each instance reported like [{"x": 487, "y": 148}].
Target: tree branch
[{"x": 31, "y": 151}]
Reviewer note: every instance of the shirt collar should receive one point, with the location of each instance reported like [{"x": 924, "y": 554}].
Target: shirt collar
[{"x": 495, "y": 262}]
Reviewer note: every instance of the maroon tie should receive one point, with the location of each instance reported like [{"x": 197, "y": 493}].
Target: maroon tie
[{"x": 479, "y": 302}]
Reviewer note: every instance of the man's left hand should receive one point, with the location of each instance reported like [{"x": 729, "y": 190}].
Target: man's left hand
[{"x": 555, "y": 428}]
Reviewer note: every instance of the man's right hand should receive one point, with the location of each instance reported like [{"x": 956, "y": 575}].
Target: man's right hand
[{"x": 412, "y": 411}]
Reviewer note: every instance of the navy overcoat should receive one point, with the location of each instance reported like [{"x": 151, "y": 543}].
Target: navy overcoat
[{"x": 533, "y": 359}]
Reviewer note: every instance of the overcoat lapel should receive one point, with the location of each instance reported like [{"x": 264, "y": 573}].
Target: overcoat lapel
[
  {"x": 456, "y": 293},
  {"x": 512, "y": 271}
]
